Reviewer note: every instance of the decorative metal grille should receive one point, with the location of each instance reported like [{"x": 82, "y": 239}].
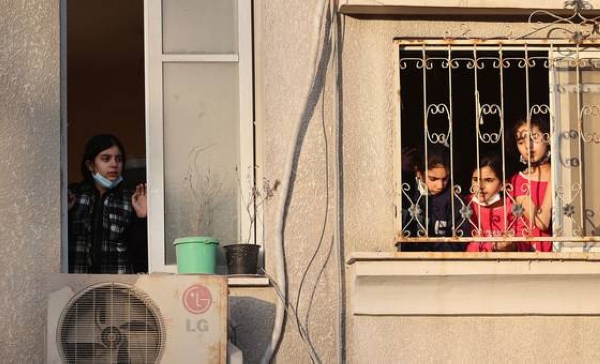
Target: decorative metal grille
[{"x": 467, "y": 94}]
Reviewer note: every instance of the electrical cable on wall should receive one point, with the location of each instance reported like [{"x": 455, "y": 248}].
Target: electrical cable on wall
[
  {"x": 324, "y": 61},
  {"x": 280, "y": 271}
]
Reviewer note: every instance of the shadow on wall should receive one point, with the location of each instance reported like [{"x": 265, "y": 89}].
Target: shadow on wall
[{"x": 250, "y": 326}]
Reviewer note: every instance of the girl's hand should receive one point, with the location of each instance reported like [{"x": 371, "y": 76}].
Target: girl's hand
[
  {"x": 139, "y": 201},
  {"x": 504, "y": 246}
]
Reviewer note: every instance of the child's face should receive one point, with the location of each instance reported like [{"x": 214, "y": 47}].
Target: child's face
[
  {"x": 532, "y": 144},
  {"x": 485, "y": 183},
  {"x": 109, "y": 163},
  {"x": 436, "y": 179}
]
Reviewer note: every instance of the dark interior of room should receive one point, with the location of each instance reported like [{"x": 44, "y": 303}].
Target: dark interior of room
[
  {"x": 105, "y": 80},
  {"x": 457, "y": 90}
]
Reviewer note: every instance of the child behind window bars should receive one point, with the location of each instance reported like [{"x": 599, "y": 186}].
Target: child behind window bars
[
  {"x": 491, "y": 209},
  {"x": 532, "y": 187},
  {"x": 430, "y": 208}
]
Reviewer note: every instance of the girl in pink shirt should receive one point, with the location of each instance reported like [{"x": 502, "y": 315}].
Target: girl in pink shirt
[
  {"x": 532, "y": 187},
  {"x": 492, "y": 210}
]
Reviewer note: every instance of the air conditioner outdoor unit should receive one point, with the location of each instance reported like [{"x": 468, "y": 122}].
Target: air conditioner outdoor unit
[{"x": 156, "y": 318}]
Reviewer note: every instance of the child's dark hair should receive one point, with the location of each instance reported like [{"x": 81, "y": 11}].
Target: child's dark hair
[
  {"x": 94, "y": 146},
  {"x": 437, "y": 156},
  {"x": 541, "y": 123},
  {"x": 493, "y": 161}
]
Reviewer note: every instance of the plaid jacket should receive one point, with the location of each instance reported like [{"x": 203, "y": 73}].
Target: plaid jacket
[{"x": 105, "y": 235}]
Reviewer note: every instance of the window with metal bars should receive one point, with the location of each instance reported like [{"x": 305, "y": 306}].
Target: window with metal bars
[{"x": 498, "y": 142}]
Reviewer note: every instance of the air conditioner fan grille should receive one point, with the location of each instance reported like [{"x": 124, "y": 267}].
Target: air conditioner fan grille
[{"x": 110, "y": 323}]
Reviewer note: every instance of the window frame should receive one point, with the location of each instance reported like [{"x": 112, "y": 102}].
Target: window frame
[
  {"x": 551, "y": 47},
  {"x": 154, "y": 61}
]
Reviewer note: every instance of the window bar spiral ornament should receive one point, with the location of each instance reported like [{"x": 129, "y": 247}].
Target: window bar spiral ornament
[
  {"x": 478, "y": 122},
  {"x": 454, "y": 189},
  {"x": 579, "y": 89},
  {"x": 502, "y": 138},
  {"x": 594, "y": 137},
  {"x": 425, "y": 231},
  {"x": 413, "y": 209},
  {"x": 578, "y": 39},
  {"x": 529, "y": 222},
  {"x": 577, "y": 26}
]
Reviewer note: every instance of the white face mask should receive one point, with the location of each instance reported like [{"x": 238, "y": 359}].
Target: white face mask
[
  {"x": 422, "y": 187},
  {"x": 105, "y": 182},
  {"x": 492, "y": 200}
]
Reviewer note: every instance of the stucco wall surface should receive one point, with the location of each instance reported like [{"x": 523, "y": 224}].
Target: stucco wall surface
[
  {"x": 296, "y": 86},
  {"x": 475, "y": 340},
  {"x": 30, "y": 164},
  {"x": 370, "y": 113},
  {"x": 370, "y": 118}
]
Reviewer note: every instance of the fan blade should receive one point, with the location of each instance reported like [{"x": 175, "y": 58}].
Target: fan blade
[
  {"x": 144, "y": 341},
  {"x": 110, "y": 325},
  {"x": 142, "y": 326},
  {"x": 123, "y": 355},
  {"x": 81, "y": 351},
  {"x": 107, "y": 355},
  {"x": 89, "y": 353},
  {"x": 79, "y": 326},
  {"x": 119, "y": 307}
]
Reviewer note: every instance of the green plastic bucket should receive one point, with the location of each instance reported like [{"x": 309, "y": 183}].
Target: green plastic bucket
[{"x": 196, "y": 254}]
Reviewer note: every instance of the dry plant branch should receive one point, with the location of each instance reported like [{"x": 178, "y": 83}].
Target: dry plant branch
[
  {"x": 204, "y": 189},
  {"x": 257, "y": 197}
]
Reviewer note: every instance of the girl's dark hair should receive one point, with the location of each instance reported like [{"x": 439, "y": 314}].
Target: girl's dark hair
[
  {"x": 493, "y": 161},
  {"x": 94, "y": 146},
  {"x": 541, "y": 123},
  {"x": 437, "y": 156}
]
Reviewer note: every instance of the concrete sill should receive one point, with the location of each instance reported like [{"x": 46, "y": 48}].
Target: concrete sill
[
  {"x": 454, "y": 7},
  {"x": 474, "y": 284},
  {"x": 247, "y": 281}
]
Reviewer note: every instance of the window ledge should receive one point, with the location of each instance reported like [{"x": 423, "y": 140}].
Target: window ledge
[
  {"x": 250, "y": 280},
  {"x": 451, "y": 7},
  {"x": 233, "y": 280},
  {"x": 474, "y": 284}
]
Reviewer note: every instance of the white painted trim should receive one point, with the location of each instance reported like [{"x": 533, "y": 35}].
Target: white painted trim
[
  {"x": 477, "y": 284},
  {"x": 155, "y": 60},
  {"x": 259, "y": 138},
  {"x": 248, "y": 281},
  {"x": 246, "y": 112},
  {"x": 397, "y": 145},
  {"x": 154, "y": 135},
  {"x": 200, "y": 58}
]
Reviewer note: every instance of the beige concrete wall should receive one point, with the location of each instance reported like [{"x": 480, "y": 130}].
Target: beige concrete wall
[
  {"x": 369, "y": 116},
  {"x": 474, "y": 340},
  {"x": 289, "y": 36},
  {"x": 30, "y": 164}
]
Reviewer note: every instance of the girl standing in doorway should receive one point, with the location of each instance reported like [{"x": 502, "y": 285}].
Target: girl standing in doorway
[{"x": 107, "y": 222}]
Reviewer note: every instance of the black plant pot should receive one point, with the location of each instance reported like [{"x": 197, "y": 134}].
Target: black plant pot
[{"x": 241, "y": 258}]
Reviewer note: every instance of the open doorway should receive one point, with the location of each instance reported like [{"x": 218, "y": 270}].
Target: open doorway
[{"x": 105, "y": 90}]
